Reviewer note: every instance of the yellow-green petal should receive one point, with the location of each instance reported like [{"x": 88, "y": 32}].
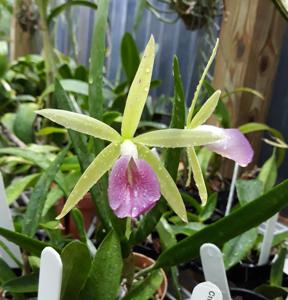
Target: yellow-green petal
[
  {"x": 196, "y": 95},
  {"x": 206, "y": 110},
  {"x": 100, "y": 165},
  {"x": 168, "y": 187},
  {"x": 180, "y": 138},
  {"x": 194, "y": 166},
  {"x": 81, "y": 123},
  {"x": 138, "y": 92}
]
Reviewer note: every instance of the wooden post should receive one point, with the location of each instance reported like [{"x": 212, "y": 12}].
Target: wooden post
[
  {"x": 24, "y": 29},
  {"x": 250, "y": 44}
]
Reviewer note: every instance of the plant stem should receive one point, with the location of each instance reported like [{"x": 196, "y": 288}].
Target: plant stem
[{"x": 144, "y": 271}]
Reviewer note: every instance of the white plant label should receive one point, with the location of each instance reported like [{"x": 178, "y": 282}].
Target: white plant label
[
  {"x": 213, "y": 267},
  {"x": 7, "y": 222},
  {"x": 206, "y": 291},
  {"x": 267, "y": 240},
  {"x": 50, "y": 277}
]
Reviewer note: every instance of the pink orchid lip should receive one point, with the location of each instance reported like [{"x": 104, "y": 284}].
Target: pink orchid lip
[
  {"x": 133, "y": 187},
  {"x": 234, "y": 146}
]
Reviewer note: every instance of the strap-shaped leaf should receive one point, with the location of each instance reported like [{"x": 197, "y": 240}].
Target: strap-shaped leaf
[
  {"x": 167, "y": 185},
  {"x": 81, "y": 123},
  {"x": 179, "y": 138},
  {"x": 100, "y": 165},
  {"x": 206, "y": 110},
  {"x": 196, "y": 95},
  {"x": 104, "y": 277},
  {"x": 223, "y": 230},
  {"x": 197, "y": 174},
  {"x": 138, "y": 92}
]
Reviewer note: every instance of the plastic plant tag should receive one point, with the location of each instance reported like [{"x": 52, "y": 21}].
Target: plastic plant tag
[
  {"x": 6, "y": 222},
  {"x": 50, "y": 277},
  {"x": 213, "y": 267},
  {"x": 267, "y": 240},
  {"x": 232, "y": 189},
  {"x": 206, "y": 291}
]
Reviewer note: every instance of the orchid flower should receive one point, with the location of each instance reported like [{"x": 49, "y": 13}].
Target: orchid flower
[
  {"x": 234, "y": 145},
  {"x": 137, "y": 178}
]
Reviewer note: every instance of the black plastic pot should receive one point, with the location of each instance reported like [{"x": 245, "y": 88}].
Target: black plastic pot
[
  {"x": 249, "y": 276},
  {"x": 246, "y": 294}
]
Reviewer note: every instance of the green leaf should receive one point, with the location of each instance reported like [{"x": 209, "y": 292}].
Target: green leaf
[
  {"x": 179, "y": 138},
  {"x": 197, "y": 174},
  {"x": 243, "y": 90},
  {"x": 24, "y": 242},
  {"x": 282, "y": 7},
  {"x": 276, "y": 275},
  {"x": 237, "y": 248},
  {"x": 23, "y": 124},
  {"x": 78, "y": 219},
  {"x": 69, "y": 85},
  {"x": 279, "y": 238},
  {"x": 5, "y": 272},
  {"x": 191, "y": 201},
  {"x": 248, "y": 190},
  {"x": 248, "y": 216},
  {"x": 138, "y": 92},
  {"x": 51, "y": 225},
  {"x": 254, "y": 127},
  {"x": 206, "y": 110},
  {"x": 166, "y": 234},
  {"x": 208, "y": 209},
  {"x": 76, "y": 265},
  {"x": 18, "y": 186},
  {"x": 97, "y": 58},
  {"x": 104, "y": 277},
  {"x": 199, "y": 86},
  {"x": 187, "y": 229},
  {"x": 129, "y": 56},
  {"x": 146, "y": 288},
  {"x": 168, "y": 187},
  {"x": 110, "y": 116},
  {"x": 80, "y": 123},
  {"x": 151, "y": 124},
  {"x": 63, "y": 7},
  {"x": 268, "y": 173},
  {"x": 101, "y": 164},
  {"x": 50, "y": 130},
  {"x": 177, "y": 120},
  {"x": 139, "y": 11},
  {"x": 36, "y": 204},
  {"x": 23, "y": 284},
  {"x": 38, "y": 158},
  {"x": 271, "y": 291}
]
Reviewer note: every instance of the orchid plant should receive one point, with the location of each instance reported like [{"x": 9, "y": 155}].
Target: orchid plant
[{"x": 138, "y": 177}]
